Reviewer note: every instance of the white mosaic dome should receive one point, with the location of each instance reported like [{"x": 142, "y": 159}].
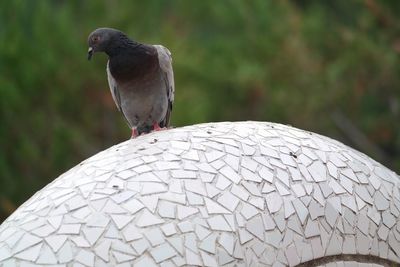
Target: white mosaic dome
[{"x": 216, "y": 194}]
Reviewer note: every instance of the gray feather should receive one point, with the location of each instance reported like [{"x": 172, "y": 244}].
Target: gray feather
[
  {"x": 165, "y": 61},
  {"x": 113, "y": 88},
  {"x": 115, "y": 92}
]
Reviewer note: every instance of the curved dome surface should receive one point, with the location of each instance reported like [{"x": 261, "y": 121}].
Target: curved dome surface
[{"x": 216, "y": 194}]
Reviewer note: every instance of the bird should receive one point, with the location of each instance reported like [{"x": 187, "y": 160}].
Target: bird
[{"x": 140, "y": 77}]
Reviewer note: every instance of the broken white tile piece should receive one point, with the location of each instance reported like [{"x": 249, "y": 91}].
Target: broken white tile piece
[
  {"x": 214, "y": 208},
  {"x": 209, "y": 243},
  {"x": 162, "y": 252},
  {"x": 29, "y": 254},
  {"x": 229, "y": 173},
  {"x": 147, "y": 219},
  {"x": 218, "y": 223}
]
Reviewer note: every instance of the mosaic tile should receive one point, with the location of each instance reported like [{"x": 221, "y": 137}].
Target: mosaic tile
[
  {"x": 346, "y": 183},
  {"x": 224, "y": 258},
  {"x": 350, "y": 202},
  {"x": 218, "y": 223},
  {"x": 190, "y": 155},
  {"x": 214, "y": 208},
  {"x": 148, "y": 219},
  {"x": 183, "y": 211},
  {"x": 380, "y": 201},
  {"x": 283, "y": 176},
  {"x": 229, "y": 201},
  {"x": 152, "y": 188},
  {"x": 47, "y": 256},
  {"x": 191, "y": 242},
  {"x": 266, "y": 174},
  {"x": 229, "y": 173},
  {"x": 230, "y": 219},
  {"x": 195, "y": 186},
  {"x": 232, "y": 161},
  {"x": 121, "y": 257},
  {"x": 222, "y": 183},
  {"x": 257, "y": 202},
  {"x": 185, "y": 227},
  {"x": 244, "y": 236},
  {"x": 388, "y": 219},
  {"x": 201, "y": 232},
  {"x": 252, "y": 188},
  {"x": 209, "y": 244},
  {"x": 258, "y": 248},
  {"x": 295, "y": 174},
  {"x": 102, "y": 250},
  {"x": 255, "y": 226},
  {"x": 267, "y": 150},
  {"x": 280, "y": 221},
  {"x": 112, "y": 208},
  {"x": 301, "y": 210},
  {"x": 312, "y": 229},
  {"x": 162, "y": 252},
  {"x": 250, "y": 176},
  {"x": 383, "y": 232},
  {"x": 154, "y": 236},
  {"x": 281, "y": 189},
  {"x": 140, "y": 245},
  {"x": 183, "y": 174},
  {"x": 145, "y": 261},
  {"x": 240, "y": 192},
  {"x": 219, "y": 194},
  {"x": 248, "y": 211},
  {"x": 211, "y": 190},
  {"x": 362, "y": 223},
  {"x": 85, "y": 257},
  {"x": 213, "y": 155},
  {"x": 208, "y": 260},
  {"x": 65, "y": 254},
  {"x": 268, "y": 188},
  {"x": 192, "y": 258},
  {"x": 166, "y": 209},
  {"x": 56, "y": 241},
  {"x": 291, "y": 255},
  {"x": 30, "y": 254}
]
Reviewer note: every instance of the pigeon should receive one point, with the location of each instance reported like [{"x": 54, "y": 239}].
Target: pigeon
[{"x": 140, "y": 78}]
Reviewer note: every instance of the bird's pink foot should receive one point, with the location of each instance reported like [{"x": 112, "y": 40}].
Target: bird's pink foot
[
  {"x": 135, "y": 133},
  {"x": 156, "y": 127}
]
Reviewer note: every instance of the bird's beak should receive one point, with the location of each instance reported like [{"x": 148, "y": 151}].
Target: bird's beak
[{"x": 90, "y": 53}]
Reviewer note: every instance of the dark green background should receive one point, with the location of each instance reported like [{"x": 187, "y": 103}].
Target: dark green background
[{"x": 327, "y": 66}]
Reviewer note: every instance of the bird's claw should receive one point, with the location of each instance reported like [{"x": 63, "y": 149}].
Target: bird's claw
[
  {"x": 156, "y": 127},
  {"x": 135, "y": 133}
]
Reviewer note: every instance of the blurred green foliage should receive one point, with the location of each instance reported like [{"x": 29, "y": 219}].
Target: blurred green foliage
[{"x": 327, "y": 66}]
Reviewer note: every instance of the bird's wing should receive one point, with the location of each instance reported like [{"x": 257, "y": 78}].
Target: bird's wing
[
  {"x": 165, "y": 61},
  {"x": 115, "y": 92},
  {"x": 113, "y": 88}
]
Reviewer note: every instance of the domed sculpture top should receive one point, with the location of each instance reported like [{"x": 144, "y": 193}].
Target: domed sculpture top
[{"x": 216, "y": 194}]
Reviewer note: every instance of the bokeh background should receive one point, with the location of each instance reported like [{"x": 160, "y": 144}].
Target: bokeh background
[{"x": 331, "y": 67}]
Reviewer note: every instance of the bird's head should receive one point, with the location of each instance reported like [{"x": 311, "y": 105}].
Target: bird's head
[{"x": 101, "y": 40}]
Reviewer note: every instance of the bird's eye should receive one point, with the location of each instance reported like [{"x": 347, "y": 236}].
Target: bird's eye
[{"x": 95, "y": 39}]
